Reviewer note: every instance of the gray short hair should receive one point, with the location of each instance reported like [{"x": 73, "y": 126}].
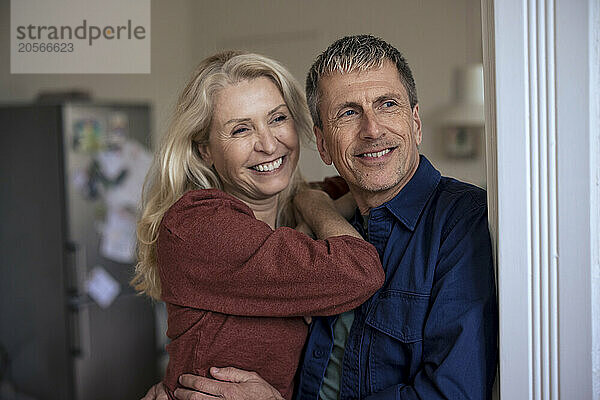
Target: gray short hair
[{"x": 355, "y": 53}]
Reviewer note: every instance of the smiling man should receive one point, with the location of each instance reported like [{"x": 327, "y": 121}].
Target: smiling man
[
  {"x": 431, "y": 331},
  {"x": 370, "y": 133}
]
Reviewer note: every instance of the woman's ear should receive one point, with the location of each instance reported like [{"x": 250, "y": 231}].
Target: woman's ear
[{"x": 204, "y": 151}]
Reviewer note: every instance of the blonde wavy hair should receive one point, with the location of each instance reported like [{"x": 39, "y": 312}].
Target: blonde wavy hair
[{"x": 178, "y": 167}]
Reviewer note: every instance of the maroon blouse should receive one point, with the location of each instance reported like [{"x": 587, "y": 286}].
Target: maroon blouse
[{"x": 236, "y": 290}]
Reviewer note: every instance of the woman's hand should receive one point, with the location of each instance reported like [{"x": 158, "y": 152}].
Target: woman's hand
[
  {"x": 319, "y": 212},
  {"x": 346, "y": 205},
  {"x": 301, "y": 225},
  {"x": 231, "y": 384},
  {"x": 156, "y": 392},
  {"x": 304, "y": 228}
]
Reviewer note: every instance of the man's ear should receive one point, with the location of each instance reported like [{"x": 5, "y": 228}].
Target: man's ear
[
  {"x": 204, "y": 151},
  {"x": 322, "y": 145},
  {"x": 417, "y": 124}
]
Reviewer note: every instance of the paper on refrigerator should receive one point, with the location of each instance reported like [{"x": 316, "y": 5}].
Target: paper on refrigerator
[
  {"x": 131, "y": 160},
  {"x": 118, "y": 235},
  {"x": 102, "y": 287}
]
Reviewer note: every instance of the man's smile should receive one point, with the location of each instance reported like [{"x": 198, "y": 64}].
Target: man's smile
[{"x": 377, "y": 154}]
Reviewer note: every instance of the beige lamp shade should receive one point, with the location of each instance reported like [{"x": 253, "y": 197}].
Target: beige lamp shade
[{"x": 466, "y": 109}]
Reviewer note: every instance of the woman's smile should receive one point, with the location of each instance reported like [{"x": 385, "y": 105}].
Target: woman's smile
[{"x": 269, "y": 166}]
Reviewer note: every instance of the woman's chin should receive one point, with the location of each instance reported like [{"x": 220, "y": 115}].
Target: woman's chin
[
  {"x": 274, "y": 182},
  {"x": 272, "y": 189}
]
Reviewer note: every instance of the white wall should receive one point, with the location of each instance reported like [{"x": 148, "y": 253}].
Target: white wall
[{"x": 435, "y": 35}]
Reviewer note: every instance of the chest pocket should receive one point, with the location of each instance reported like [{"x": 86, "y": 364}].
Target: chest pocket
[
  {"x": 400, "y": 315},
  {"x": 395, "y": 348}
]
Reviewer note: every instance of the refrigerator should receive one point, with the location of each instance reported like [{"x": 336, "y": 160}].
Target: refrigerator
[{"x": 71, "y": 327}]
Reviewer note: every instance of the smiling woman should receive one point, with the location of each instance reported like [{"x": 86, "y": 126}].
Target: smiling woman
[
  {"x": 215, "y": 238},
  {"x": 254, "y": 146}
]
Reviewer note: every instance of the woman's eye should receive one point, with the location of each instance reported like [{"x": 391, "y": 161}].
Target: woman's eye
[
  {"x": 280, "y": 118},
  {"x": 237, "y": 131}
]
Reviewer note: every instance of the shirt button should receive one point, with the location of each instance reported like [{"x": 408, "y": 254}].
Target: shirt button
[{"x": 317, "y": 353}]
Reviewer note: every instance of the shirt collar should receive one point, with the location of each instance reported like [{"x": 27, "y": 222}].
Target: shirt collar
[{"x": 408, "y": 204}]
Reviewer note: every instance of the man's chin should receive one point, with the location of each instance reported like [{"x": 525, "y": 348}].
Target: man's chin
[{"x": 377, "y": 184}]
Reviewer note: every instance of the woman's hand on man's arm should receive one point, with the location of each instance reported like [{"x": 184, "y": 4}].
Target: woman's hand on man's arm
[
  {"x": 346, "y": 205},
  {"x": 321, "y": 215}
]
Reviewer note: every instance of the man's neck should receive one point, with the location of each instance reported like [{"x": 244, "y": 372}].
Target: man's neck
[{"x": 367, "y": 200}]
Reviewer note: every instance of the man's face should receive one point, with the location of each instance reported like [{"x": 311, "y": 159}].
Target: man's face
[{"x": 369, "y": 132}]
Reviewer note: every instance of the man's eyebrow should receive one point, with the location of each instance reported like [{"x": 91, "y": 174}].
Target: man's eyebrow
[
  {"x": 238, "y": 120},
  {"x": 352, "y": 104},
  {"x": 387, "y": 96}
]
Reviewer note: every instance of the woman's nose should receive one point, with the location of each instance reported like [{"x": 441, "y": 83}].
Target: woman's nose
[{"x": 266, "y": 142}]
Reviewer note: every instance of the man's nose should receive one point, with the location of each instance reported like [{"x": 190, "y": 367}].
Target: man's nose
[
  {"x": 266, "y": 142},
  {"x": 370, "y": 127}
]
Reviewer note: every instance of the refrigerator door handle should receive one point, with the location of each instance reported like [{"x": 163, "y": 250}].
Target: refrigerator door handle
[
  {"x": 78, "y": 302},
  {"x": 79, "y": 324},
  {"x": 75, "y": 268}
]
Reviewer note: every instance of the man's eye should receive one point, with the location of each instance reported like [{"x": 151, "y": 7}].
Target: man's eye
[
  {"x": 389, "y": 103},
  {"x": 348, "y": 113}
]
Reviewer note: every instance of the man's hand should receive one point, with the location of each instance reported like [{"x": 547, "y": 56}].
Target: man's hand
[
  {"x": 232, "y": 384},
  {"x": 156, "y": 392}
]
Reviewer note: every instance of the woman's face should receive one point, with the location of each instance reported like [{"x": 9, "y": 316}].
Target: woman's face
[{"x": 253, "y": 143}]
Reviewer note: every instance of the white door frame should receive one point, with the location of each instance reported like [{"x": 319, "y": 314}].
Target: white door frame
[{"x": 542, "y": 112}]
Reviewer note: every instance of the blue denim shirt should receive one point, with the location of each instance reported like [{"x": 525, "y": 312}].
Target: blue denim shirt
[{"x": 431, "y": 331}]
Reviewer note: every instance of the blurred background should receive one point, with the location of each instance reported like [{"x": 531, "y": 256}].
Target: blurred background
[
  {"x": 437, "y": 37},
  {"x": 441, "y": 40}
]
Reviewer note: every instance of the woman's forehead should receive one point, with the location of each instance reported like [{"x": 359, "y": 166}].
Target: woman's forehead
[{"x": 247, "y": 98}]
